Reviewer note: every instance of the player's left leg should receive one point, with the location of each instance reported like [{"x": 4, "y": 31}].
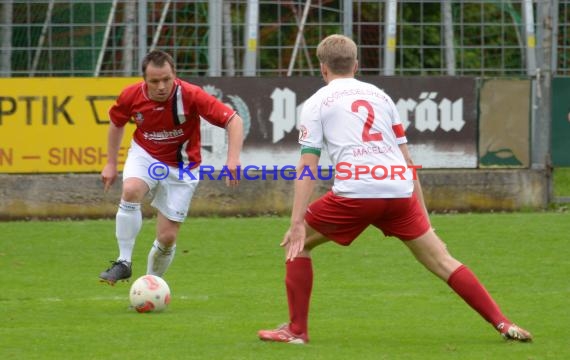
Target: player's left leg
[
  {"x": 163, "y": 248},
  {"x": 433, "y": 254},
  {"x": 172, "y": 200}
]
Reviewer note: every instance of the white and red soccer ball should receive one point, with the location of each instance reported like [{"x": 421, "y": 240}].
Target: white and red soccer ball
[{"x": 149, "y": 293}]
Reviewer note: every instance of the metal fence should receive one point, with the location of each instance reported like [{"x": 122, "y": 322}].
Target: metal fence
[{"x": 258, "y": 37}]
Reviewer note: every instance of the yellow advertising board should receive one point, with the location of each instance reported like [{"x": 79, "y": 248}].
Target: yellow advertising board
[{"x": 55, "y": 125}]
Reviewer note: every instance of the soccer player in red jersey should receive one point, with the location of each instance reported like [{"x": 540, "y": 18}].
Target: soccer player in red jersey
[
  {"x": 163, "y": 158},
  {"x": 349, "y": 117}
]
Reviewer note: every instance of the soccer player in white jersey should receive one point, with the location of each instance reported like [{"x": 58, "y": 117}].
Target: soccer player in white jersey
[
  {"x": 167, "y": 112},
  {"x": 359, "y": 126}
]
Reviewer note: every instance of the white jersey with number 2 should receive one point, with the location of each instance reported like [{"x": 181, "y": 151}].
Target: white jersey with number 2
[{"x": 360, "y": 128}]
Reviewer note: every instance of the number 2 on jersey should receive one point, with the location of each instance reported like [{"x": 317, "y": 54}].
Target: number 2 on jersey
[{"x": 366, "y": 134}]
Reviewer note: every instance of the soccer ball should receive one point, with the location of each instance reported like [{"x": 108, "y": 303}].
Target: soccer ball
[{"x": 149, "y": 293}]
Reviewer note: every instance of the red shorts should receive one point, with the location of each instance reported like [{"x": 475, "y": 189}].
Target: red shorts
[{"x": 342, "y": 219}]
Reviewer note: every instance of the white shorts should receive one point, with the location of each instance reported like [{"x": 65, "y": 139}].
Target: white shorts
[{"x": 172, "y": 189}]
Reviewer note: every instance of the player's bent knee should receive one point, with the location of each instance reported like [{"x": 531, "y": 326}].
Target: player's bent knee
[
  {"x": 314, "y": 240},
  {"x": 167, "y": 239},
  {"x": 134, "y": 190}
]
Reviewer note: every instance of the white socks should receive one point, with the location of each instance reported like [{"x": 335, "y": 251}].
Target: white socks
[
  {"x": 159, "y": 258},
  {"x": 128, "y": 224}
]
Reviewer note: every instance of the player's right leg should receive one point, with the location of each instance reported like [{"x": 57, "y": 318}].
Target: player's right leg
[
  {"x": 433, "y": 254},
  {"x": 413, "y": 227},
  {"x": 128, "y": 223}
]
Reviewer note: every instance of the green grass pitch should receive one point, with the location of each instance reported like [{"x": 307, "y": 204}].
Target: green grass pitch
[
  {"x": 561, "y": 180},
  {"x": 370, "y": 301}
]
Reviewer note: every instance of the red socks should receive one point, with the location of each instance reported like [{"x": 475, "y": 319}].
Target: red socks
[
  {"x": 466, "y": 285},
  {"x": 299, "y": 284}
]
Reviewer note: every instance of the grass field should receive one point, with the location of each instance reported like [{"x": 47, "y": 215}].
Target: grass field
[
  {"x": 370, "y": 301},
  {"x": 561, "y": 181}
]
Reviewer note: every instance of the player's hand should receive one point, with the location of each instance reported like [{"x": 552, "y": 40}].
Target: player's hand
[
  {"x": 294, "y": 241},
  {"x": 108, "y": 176},
  {"x": 232, "y": 167}
]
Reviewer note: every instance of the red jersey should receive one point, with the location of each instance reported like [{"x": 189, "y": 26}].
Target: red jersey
[{"x": 170, "y": 131}]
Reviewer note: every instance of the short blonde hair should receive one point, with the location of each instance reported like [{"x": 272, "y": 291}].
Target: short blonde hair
[{"x": 338, "y": 53}]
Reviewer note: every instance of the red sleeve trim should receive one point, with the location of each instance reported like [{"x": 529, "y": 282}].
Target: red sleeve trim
[
  {"x": 231, "y": 117},
  {"x": 399, "y": 130}
]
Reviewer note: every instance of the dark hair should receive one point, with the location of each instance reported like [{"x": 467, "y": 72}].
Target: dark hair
[{"x": 158, "y": 58}]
